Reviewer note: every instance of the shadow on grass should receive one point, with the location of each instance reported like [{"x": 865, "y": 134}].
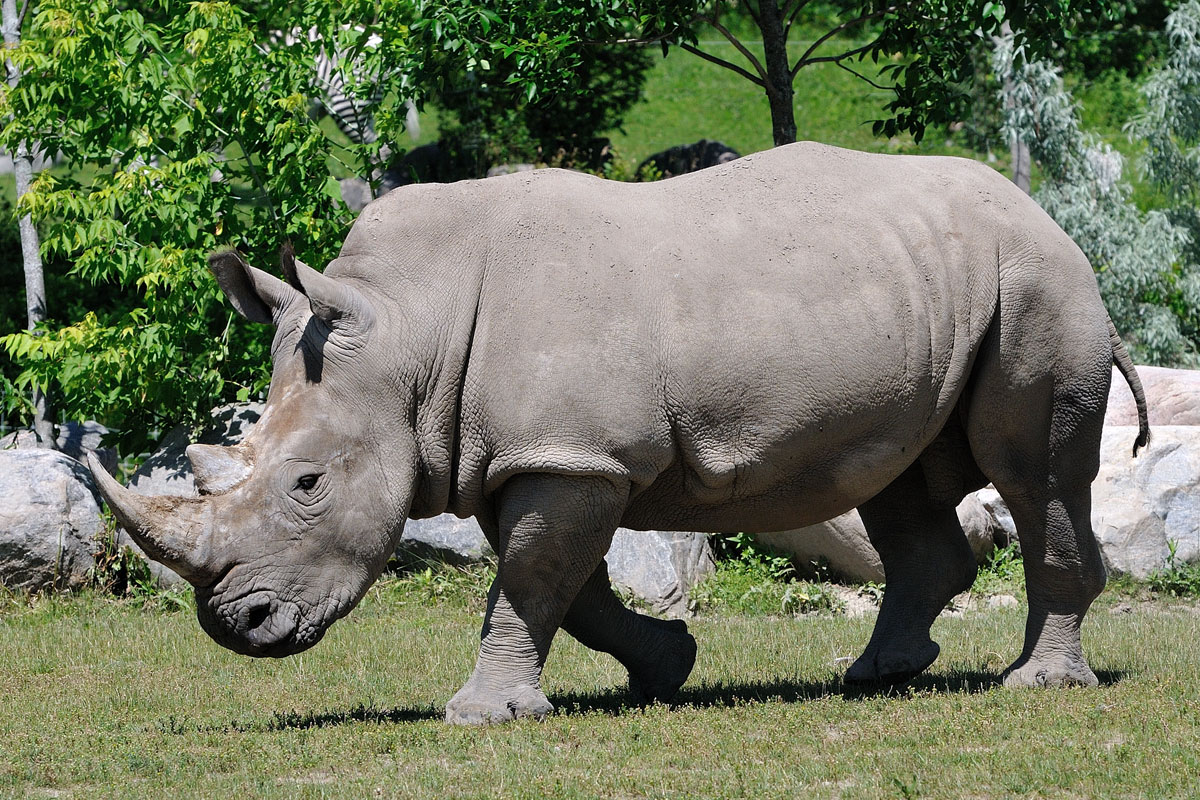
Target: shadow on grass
[{"x": 617, "y": 702}]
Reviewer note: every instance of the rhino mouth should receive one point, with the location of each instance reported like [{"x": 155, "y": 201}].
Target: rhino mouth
[{"x": 257, "y": 624}]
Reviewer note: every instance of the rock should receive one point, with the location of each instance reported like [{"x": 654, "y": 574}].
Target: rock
[
  {"x": 509, "y": 169},
  {"x": 1005, "y": 530},
  {"x": 684, "y": 158},
  {"x": 49, "y": 523},
  {"x": 356, "y": 193},
  {"x": 75, "y": 439},
  {"x": 659, "y": 567},
  {"x": 1002, "y": 601},
  {"x": 843, "y": 544},
  {"x": 168, "y": 472},
  {"x": 1172, "y": 397},
  {"x": 1140, "y": 505},
  {"x": 445, "y": 538}
]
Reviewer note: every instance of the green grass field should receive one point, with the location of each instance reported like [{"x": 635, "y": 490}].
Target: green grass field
[{"x": 106, "y": 699}]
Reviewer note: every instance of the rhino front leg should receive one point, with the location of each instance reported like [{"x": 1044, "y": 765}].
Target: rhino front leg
[
  {"x": 553, "y": 532},
  {"x": 659, "y": 654}
]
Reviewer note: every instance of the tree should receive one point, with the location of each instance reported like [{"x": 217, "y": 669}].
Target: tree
[
  {"x": 183, "y": 132},
  {"x": 35, "y": 284},
  {"x": 936, "y": 41},
  {"x": 1150, "y": 289}
]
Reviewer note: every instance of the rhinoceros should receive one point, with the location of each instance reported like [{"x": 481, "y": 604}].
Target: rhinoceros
[{"x": 756, "y": 347}]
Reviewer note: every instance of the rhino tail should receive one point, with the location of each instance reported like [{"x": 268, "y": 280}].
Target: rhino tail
[{"x": 1125, "y": 364}]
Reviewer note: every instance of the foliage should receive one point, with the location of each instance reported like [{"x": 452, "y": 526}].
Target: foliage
[
  {"x": 1150, "y": 291},
  {"x": 183, "y": 133},
  {"x": 1177, "y": 578},
  {"x": 494, "y": 122},
  {"x": 1002, "y": 573},
  {"x": 750, "y": 578},
  {"x": 425, "y": 582}
]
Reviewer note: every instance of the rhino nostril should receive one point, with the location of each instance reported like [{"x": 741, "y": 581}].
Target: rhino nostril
[{"x": 257, "y": 616}]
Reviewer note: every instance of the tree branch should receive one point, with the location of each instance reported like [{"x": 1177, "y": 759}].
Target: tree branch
[
  {"x": 754, "y": 15},
  {"x": 791, "y": 10},
  {"x": 862, "y": 77},
  {"x": 741, "y": 48},
  {"x": 750, "y": 76},
  {"x": 804, "y": 59}
]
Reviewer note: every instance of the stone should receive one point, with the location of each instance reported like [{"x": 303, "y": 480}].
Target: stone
[
  {"x": 842, "y": 542},
  {"x": 1005, "y": 530},
  {"x": 659, "y": 567},
  {"x": 356, "y": 193},
  {"x": 1172, "y": 397},
  {"x": 509, "y": 169},
  {"x": 1143, "y": 506},
  {"x": 75, "y": 439},
  {"x": 684, "y": 158},
  {"x": 445, "y": 538},
  {"x": 50, "y": 521}
]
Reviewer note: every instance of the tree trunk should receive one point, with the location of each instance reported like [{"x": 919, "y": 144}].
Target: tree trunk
[
  {"x": 35, "y": 286},
  {"x": 779, "y": 73},
  {"x": 1021, "y": 160}
]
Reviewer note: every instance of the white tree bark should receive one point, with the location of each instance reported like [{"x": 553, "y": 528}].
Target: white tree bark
[{"x": 35, "y": 285}]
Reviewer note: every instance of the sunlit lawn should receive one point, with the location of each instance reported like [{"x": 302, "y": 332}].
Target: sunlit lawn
[{"x": 102, "y": 699}]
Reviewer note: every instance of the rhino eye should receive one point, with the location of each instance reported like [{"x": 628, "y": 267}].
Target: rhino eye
[{"x": 305, "y": 483}]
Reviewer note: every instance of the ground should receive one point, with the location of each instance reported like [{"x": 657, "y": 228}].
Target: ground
[{"x": 117, "y": 698}]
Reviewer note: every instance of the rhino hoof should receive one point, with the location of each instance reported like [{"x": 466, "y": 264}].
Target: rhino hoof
[
  {"x": 874, "y": 670},
  {"x": 1027, "y": 674},
  {"x": 659, "y": 681},
  {"x": 476, "y": 708}
]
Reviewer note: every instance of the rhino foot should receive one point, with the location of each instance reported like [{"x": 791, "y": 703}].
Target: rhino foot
[
  {"x": 878, "y": 669},
  {"x": 474, "y": 707},
  {"x": 657, "y": 681},
  {"x": 1050, "y": 673}
]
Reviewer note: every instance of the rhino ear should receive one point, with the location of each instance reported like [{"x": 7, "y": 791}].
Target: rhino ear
[
  {"x": 254, "y": 294},
  {"x": 336, "y": 303}
]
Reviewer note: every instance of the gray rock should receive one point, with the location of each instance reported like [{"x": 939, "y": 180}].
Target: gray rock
[
  {"x": 685, "y": 158},
  {"x": 356, "y": 193},
  {"x": 508, "y": 169},
  {"x": 49, "y": 522},
  {"x": 843, "y": 544},
  {"x": 75, "y": 439},
  {"x": 1140, "y": 505},
  {"x": 446, "y": 538},
  {"x": 1172, "y": 397},
  {"x": 1006, "y": 529},
  {"x": 168, "y": 472},
  {"x": 659, "y": 567}
]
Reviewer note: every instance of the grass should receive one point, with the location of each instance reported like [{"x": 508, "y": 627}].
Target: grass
[{"x": 112, "y": 699}]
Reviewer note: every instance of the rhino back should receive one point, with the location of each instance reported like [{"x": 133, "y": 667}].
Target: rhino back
[{"x": 789, "y": 329}]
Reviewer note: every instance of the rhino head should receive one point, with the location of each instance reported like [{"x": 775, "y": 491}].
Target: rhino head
[{"x": 295, "y": 523}]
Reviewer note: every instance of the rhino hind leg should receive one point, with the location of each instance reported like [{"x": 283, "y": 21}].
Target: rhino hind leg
[
  {"x": 553, "y": 533},
  {"x": 926, "y": 560},
  {"x": 659, "y": 654},
  {"x": 1035, "y": 421}
]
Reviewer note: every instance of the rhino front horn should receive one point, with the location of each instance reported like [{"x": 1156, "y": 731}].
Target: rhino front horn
[{"x": 171, "y": 530}]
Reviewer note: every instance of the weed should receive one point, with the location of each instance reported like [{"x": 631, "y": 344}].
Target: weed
[
  {"x": 428, "y": 582},
  {"x": 1178, "y": 578},
  {"x": 751, "y": 578},
  {"x": 1002, "y": 573}
]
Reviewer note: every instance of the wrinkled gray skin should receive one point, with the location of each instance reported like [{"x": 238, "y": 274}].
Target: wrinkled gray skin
[{"x": 755, "y": 347}]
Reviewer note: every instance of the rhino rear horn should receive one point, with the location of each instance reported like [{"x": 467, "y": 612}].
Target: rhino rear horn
[
  {"x": 336, "y": 303},
  {"x": 256, "y": 295}
]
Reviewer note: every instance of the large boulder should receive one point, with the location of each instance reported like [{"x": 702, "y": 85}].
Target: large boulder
[
  {"x": 446, "y": 538},
  {"x": 75, "y": 439},
  {"x": 49, "y": 522},
  {"x": 659, "y": 567},
  {"x": 1143, "y": 506},
  {"x": 1172, "y": 397},
  {"x": 843, "y": 545}
]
